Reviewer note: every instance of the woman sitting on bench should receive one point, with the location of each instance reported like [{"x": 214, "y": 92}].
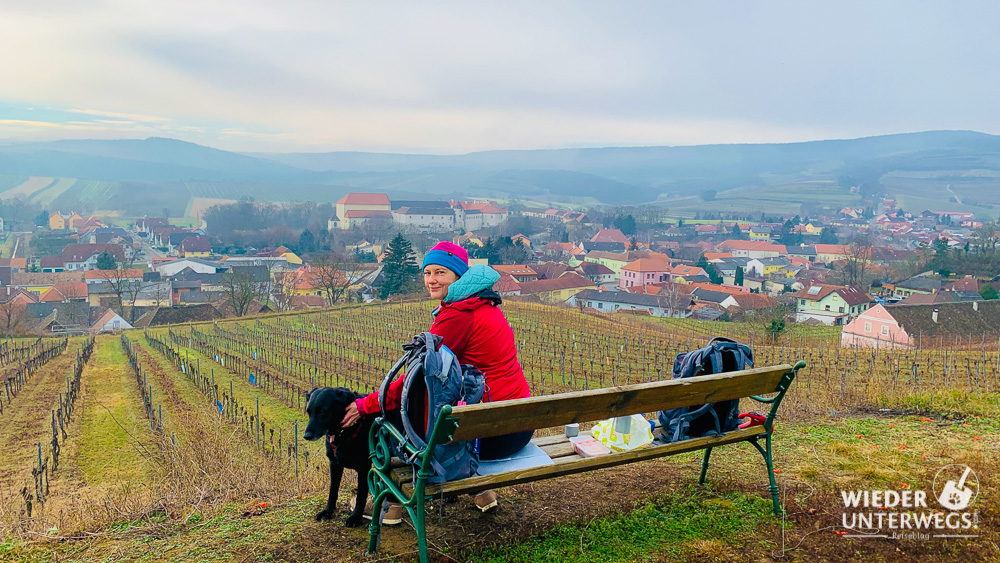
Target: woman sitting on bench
[{"x": 476, "y": 331}]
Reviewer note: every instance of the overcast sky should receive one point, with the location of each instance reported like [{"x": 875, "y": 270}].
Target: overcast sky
[{"x": 454, "y": 77}]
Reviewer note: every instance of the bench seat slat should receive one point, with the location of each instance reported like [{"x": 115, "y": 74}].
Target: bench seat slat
[
  {"x": 571, "y": 464},
  {"x": 493, "y": 419}
]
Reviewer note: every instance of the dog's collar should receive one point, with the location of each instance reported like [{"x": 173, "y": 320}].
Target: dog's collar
[{"x": 331, "y": 438}]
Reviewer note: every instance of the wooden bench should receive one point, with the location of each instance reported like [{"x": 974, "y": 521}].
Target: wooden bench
[{"x": 469, "y": 422}]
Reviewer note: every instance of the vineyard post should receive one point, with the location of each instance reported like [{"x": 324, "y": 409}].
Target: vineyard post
[
  {"x": 296, "y": 449},
  {"x": 39, "y": 489},
  {"x": 256, "y": 434}
]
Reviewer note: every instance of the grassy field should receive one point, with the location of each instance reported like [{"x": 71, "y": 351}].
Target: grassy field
[
  {"x": 786, "y": 199},
  {"x": 28, "y": 188},
  {"x": 853, "y": 419},
  {"x": 8, "y": 181}
]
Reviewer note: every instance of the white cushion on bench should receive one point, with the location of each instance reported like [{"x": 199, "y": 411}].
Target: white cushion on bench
[{"x": 527, "y": 457}]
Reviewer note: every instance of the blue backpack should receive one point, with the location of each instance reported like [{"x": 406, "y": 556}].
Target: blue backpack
[
  {"x": 433, "y": 379},
  {"x": 720, "y": 356}
]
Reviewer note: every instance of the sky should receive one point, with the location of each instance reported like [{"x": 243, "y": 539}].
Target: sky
[{"x": 450, "y": 77}]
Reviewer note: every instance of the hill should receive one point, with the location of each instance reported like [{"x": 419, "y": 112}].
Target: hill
[{"x": 920, "y": 166}]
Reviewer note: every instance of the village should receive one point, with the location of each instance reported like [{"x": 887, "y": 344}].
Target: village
[{"x": 873, "y": 271}]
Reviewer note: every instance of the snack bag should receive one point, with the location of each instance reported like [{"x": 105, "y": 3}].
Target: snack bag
[{"x": 638, "y": 436}]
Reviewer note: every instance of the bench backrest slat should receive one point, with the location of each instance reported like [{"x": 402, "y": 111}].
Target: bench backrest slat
[{"x": 494, "y": 419}]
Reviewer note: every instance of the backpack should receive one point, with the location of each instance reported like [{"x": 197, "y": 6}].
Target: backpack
[
  {"x": 433, "y": 379},
  {"x": 721, "y": 355}
]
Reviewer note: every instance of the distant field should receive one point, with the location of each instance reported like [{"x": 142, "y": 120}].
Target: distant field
[
  {"x": 978, "y": 194},
  {"x": 6, "y": 244},
  {"x": 199, "y": 205},
  {"x": 28, "y": 188},
  {"x": 8, "y": 181},
  {"x": 784, "y": 199},
  {"x": 267, "y": 192},
  {"x": 53, "y": 191},
  {"x": 86, "y": 194}
]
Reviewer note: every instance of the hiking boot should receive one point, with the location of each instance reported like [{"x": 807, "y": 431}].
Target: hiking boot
[
  {"x": 393, "y": 516},
  {"x": 486, "y": 500}
]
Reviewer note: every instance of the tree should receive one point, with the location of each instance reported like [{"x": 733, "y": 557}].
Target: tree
[
  {"x": 786, "y": 229},
  {"x": 42, "y": 219},
  {"x": 708, "y": 195},
  {"x": 625, "y": 224},
  {"x": 987, "y": 238},
  {"x": 674, "y": 300},
  {"x": 106, "y": 261},
  {"x": 828, "y": 236},
  {"x": 241, "y": 289},
  {"x": 739, "y": 276},
  {"x": 989, "y": 292},
  {"x": 859, "y": 257},
  {"x": 713, "y": 274},
  {"x": 736, "y": 232},
  {"x": 118, "y": 276},
  {"x": 12, "y": 316},
  {"x": 336, "y": 273},
  {"x": 307, "y": 242},
  {"x": 399, "y": 268}
]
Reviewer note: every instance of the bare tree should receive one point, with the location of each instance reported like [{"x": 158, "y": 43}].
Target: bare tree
[
  {"x": 124, "y": 283},
  {"x": 859, "y": 258},
  {"x": 11, "y": 316},
  {"x": 987, "y": 237},
  {"x": 283, "y": 294},
  {"x": 241, "y": 289},
  {"x": 336, "y": 273},
  {"x": 376, "y": 228},
  {"x": 675, "y": 300}
]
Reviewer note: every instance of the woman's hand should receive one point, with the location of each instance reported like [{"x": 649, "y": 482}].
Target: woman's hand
[{"x": 351, "y": 417}]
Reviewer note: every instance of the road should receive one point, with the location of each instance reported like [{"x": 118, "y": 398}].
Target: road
[{"x": 948, "y": 189}]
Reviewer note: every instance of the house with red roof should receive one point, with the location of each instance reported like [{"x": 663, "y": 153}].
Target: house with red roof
[
  {"x": 609, "y": 235},
  {"x": 643, "y": 271},
  {"x": 685, "y": 271},
  {"x": 355, "y": 208},
  {"x": 507, "y": 286},
  {"x": 61, "y": 292},
  {"x": 80, "y": 257},
  {"x": 475, "y": 215},
  {"x": 829, "y": 253},
  {"x": 520, "y": 272}
]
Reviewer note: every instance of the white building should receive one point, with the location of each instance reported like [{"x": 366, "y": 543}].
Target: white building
[
  {"x": 170, "y": 269},
  {"x": 425, "y": 219}
]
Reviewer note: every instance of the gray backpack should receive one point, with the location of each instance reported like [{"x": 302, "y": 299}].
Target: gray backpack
[{"x": 433, "y": 379}]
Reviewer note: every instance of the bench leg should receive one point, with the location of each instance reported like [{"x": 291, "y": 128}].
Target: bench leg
[
  {"x": 418, "y": 525},
  {"x": 375, "y": 527},
  {"x": 704, "y": 466},
  {"x": 770, "y": 472}
]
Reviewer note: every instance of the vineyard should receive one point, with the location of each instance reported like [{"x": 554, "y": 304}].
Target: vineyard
[{"x": 188, "y": 420}]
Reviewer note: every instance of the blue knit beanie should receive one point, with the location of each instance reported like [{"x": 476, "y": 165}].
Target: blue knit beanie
[{"x": 449, "y": 255}]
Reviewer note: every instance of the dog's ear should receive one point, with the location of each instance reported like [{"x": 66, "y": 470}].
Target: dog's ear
[
  {"x": 344, "y": 396},
  {"x": 307, "y": 395}
]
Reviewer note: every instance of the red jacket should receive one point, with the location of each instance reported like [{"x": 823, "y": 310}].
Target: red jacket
[{"x": 478, "y": 333}]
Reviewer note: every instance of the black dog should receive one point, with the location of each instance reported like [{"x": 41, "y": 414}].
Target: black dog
[{"x": 345, "y": 447}]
